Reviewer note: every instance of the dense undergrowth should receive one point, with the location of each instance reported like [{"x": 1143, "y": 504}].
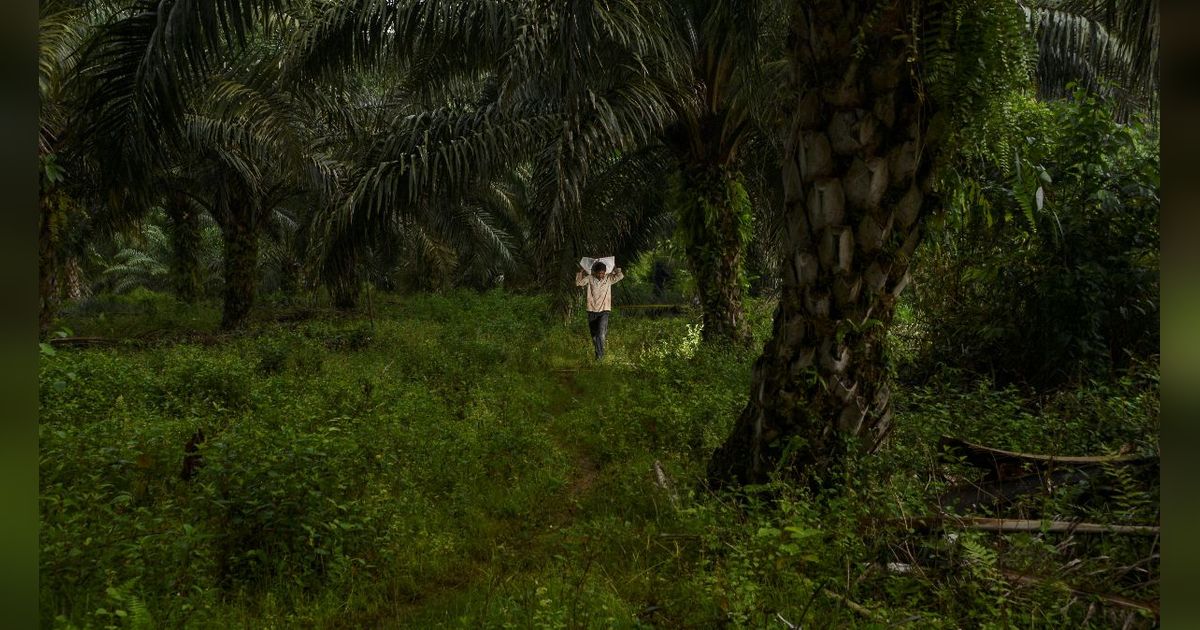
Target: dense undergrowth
[{"x": 460, "y": 461}]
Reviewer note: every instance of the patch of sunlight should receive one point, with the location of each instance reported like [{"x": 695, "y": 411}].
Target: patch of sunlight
[{"x": 681, "y": 347}]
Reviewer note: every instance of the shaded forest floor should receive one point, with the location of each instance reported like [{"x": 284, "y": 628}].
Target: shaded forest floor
[{"x": 460, "y": 461}]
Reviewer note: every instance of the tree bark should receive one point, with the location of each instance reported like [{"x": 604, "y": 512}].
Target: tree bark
[
  {"x": 855, "y": 190},
  {"x": 714, "y": 215},
  {"x": 555, "y": 277},
  {"x": 184, "y": 226},
  {"x": 240, "y": 237},
  {"x": 48, "y": 223},
  {"x": 564, "y": 295},
  {"x": 75, "y": 285},
  {"x": 341, "y": 269}
]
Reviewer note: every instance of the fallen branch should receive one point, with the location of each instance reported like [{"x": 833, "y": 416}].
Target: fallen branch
[
  {"x": 1023, "y": 525},
  {"x": 852, "y": 605},
  {"x": 1124, "y": 602},
  {"x": 81, "y": 341},
  {"x": 1000, "y": 463}
]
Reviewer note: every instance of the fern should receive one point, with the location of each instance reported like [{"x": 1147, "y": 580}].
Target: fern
[
  {"x": 1133, "y": 501},
  {"x": 128, "y": 607}
]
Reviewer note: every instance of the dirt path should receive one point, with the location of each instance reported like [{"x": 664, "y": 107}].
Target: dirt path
[{"x": 584, "y": 469}]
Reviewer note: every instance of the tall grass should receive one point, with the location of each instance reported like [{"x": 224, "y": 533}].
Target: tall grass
[{"x": 460, "y": 461}]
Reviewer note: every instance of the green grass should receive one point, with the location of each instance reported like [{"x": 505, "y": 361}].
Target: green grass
[{"x": 460, "y": 461}]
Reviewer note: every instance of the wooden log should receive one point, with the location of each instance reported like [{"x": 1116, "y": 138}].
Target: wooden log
[
  {"x": 1022, "y": 578},
  {"x": 76, "y": 342},
  {"x": 1005, "y": 525}
]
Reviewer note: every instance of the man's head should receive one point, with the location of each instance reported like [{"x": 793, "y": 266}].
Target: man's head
[{"x": 599, "y": 269}]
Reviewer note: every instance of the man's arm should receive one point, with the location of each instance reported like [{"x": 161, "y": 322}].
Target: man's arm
[
  {"x": 580, "y": 278},
  {"x": 617, "y": 275}
]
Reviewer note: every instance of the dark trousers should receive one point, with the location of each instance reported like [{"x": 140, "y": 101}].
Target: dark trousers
[{"x": 598, "y": 324}]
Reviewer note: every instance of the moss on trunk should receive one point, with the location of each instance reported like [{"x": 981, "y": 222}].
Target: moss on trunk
[
  {"x": 714, "y": 223},
  {"x": 184, "y": 233}
]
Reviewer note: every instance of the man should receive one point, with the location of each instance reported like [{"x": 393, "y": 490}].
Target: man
[{"x": 599, "y": 300}]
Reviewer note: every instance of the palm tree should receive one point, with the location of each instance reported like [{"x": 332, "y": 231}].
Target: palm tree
[
  {"x": 876, "y": 105},
  {"x": 560, "y": 88},
  {"x": 149, "y": 258},
  {"x": 724, "y": 44},
  {"x": 1109, "y": 47},
  {"x": 564, "y": 86},
  {"x": 118, "y": 82},
  {"x": 63, "y": 31}
]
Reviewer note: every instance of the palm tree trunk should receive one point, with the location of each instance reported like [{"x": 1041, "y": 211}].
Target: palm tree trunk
[
  {"x": 184, "y": 226},
  {"x": 714, "y": 214},
  {"x": 47, "y": 262},
  {"x": 342, "y": 276},
  {"x": 76, "y": 288},
  {"x": 241, "y": 262},
  {"x": 565, "y": 297},
  {"x": 556, "y": 278},
  {"x": 855, "y": 190}
]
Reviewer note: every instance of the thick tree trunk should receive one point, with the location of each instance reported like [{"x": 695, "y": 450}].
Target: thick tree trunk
[
  {"x": 714, "y": 214},
  {"x": 855, "y": 191},
  {"x": 241, "y": 262},
  {"x": 184, "y": 226}
]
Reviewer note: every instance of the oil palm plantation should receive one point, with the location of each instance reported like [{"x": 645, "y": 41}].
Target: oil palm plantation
[
  {"x": 564, "y": 87},
  {"x": 485, "y": 93},
  {"x": 883, "y": 91},
  {"x": 181, "y": 105}
]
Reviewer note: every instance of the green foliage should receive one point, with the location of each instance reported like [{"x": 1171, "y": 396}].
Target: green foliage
[
  {"x": 972, "y": 51},
  {"x": 1047, "y": 269},
  {"x": 659, "y": 276},
  {"x": 469, "y": 466},
  {"x": 144, "y": 259}
]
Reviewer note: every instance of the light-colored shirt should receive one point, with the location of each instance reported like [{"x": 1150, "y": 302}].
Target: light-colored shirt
[{"x": 599, "y": 292}]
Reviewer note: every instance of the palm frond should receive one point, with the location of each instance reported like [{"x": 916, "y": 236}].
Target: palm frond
[
  {"x": 444, "y": 152},
  {"x": 1109, "y": 47}
]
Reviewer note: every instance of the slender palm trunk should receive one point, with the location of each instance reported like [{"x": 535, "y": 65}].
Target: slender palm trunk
[
  {"x": 240, "y": 237},
  {"x": 184, "y": 232},
  {"x": 241, "y": 260},
  {"x": 564, "y": 295},
  {"x": 47, "y": 262},
  {"x": 75, "y": 288},
  {"x": 855, "y": 189},
  {"x": 289, "y": 276},
  {"x": 341, "y": 275},
  {"x": 555, "y": 275},
  {"x": 714, "y": 214}
]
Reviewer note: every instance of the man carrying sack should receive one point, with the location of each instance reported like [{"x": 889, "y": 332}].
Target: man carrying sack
[{"x": 594, "y": 275}]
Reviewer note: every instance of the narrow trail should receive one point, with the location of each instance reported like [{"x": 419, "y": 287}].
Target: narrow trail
[
  {"x": 585, "y": 470},
  {"x": 562, "y": 506}
]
